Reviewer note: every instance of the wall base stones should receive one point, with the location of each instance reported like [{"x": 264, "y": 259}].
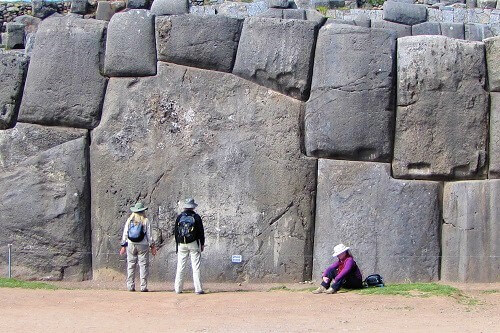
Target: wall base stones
[{"x": 391, "y": 225}]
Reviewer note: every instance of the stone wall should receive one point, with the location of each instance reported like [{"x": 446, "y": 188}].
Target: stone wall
[{"x": 292, "y": 134}]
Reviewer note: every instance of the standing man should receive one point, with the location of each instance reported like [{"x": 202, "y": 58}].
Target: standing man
[{"x": 190, "y": 241}]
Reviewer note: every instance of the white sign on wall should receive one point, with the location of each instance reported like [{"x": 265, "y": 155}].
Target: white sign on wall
[{"x": 236, "y": 258}]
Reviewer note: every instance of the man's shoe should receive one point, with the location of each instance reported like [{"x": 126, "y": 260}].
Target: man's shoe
[
  {"x": 144, "y": 290},
  {"x": 201, "y": 292},
  {"x": 131, "y": 289},
  {"x": 331, "y": 291},
  {"x": 320, "y": 290}
]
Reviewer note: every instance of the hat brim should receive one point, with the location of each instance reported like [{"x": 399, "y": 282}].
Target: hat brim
[
  {"x": 337, "y": 253},
  {"x": 137, "y": 210},
  {"x": 190, "y": 206}
]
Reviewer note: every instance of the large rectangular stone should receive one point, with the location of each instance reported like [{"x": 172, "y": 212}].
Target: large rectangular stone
[
  {"x": 131, "y": 44},
  {"x": 232, "y": 145},
  {"x": 350, "y": 114},
  {"x": 282, "y": 60},
  {"x": 493, "y": 62},
  {"x": 426, "y": 28},
  {"x": 401, "y": 30},
  {"x": 64, "y": 85},
  {"x": 471, "y": 239},
  {"x": 179, "y": 40},
  {"x": 404, "y": 13},
  {"x": 494, "y": 144},
  {"x": 392, "y": 226},
  {"x": 13, "y": 67},
  {"x": 453, "y": 30},
  {"x": 441, "y": 96}
]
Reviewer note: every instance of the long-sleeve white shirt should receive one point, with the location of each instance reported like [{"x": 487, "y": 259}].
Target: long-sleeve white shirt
[{"x": 147, "y": 240}]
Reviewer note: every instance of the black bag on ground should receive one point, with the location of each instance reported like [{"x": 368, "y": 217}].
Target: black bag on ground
[{"x": 374, "y": 280}]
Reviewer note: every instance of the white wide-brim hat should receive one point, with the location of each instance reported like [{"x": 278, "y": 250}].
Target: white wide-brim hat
[
  {"x": 189, "y": 204},
  {"x": 338, "y": 249}
]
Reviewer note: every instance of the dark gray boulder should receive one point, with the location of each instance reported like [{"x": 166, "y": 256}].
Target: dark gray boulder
[
  {"x": 494, "y": 143},
  {"x": 471, "y": 250},
  {"x": 232, "y": 145},
  {"x": 392, "y": 226},
  {"x": 426, "y": 28},
  {"x": 453, "y": 30},
  {"x": 339, "y": 21},
  {"x": 278, "y": 3},
  {"x": 104, "y": 11},
  {"x": 42, "y": 9},
  {"x": 315, "y": 16},
  {"x": 139, "y": 4},
  {"x": 272, "y": 13},
  {"x": 492, "y": 62},
  {"x": 130, "y": 44},
  {"x": 13, "y": 67},
  {"x": 79, "y": 6},
  {"x": 45, "y": 214},
  {"x": 30, "y": 23},
  {"x": 294, "y": 14},
  {"x": 441, "y": 96},
  {"x": 170, "y": 7},
  {"x": 402, "y": 30},
  {"x": 477, "y": 32},
  {"x": 13, "y": 37},
  {"x": 282, "y": 61},
  {"x": 27, "y": 140},
  {"x": 75, "y": 98},
  {"x": 404, "y": 13},
  {"x": 214, "y": 47},
  {"x": 351, "y": 109}
]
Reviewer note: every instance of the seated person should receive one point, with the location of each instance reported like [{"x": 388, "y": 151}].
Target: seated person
[{"x": 342, "y": 273}]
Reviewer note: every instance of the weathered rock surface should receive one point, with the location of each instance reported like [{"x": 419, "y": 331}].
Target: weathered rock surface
[
  {"x": 30, "y": 23},
  {"x": 42, "y": 9},
  {"x": 315, "y": 16},
  {"x": 477, "y": 32},
  {"x": 294, "y": 14},
  {"x": 79, "y": 6},
  {"x": 487, "y": 3},
  {"x": 391, "y": 225},
  {"x": 278, "y": 3},
  {"x": 282, "y": 61},
  {"x": 470, "y": 233},
  {"x": 170, "y": 7},
  {"x": 104, "y": 11},
  {"x": 493, "y": 62},
  {"x": 401, "y": 30},
  {"x": 426, "y": 28},
  {"x": 13, "y": 37},
  {"x": 27, "y": 140},
  {"x": 404, "y": 13},
  {"x": 453, "y": 30},
  {"x": 272, "y": 13},
  {"x": 441, "y": 96},
  {"x": 13, "y": 67},
  {"x": 214, "y": 47},
  {"x": 139, "y": 4},
  {"x": 75, "y": 98},
  {"x": 45, "y": 213},
  {"x": 350, "y": 114},
  {"x": 232, "y": 145},
  {"x": 130, "y": 44},
  {"x": 494, "y": 144}
]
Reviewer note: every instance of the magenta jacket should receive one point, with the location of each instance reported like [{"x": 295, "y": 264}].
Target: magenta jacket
[{"x": 348, "y": 266}]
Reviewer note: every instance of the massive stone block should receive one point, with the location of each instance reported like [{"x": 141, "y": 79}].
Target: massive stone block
[
  {"x": 130, "y": 44},
  {"x": 477, "y": 32},
  {"x": 179, "y": 40},
  {"x": 64, "y": 85},
  {"x": 401, "y": 30},
  {"x": 282, "y": 60},
  {"x": 471, "y": 240},
  {"x": 232, "y": 145},
  {"x": 441, "y": 96},
  {"x": 453, "y": 30},
  {"x": 426, "y": 28},
  {"x": 350, "y": 114},
  {"x": 404, "y": 13},
  {"x": 492, "y": 62},
  {"x": 13, "y": 66},
  {"x": 391, "y": 225},
  {"x": 170, "y": 7},
  {"x": 45, "y": 211},
  {"x": 494, "y": 144}
]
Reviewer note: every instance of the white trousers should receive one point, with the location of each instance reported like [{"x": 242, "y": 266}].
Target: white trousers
[
  {"x": 134, "y": 252},
  {"x": 184, "y": 250}
]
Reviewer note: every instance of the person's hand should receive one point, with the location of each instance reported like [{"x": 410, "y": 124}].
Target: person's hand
[
  {"x": 325, "y": 279},
  {"x": 153, "y": 250},
  {"x": 122, "y": 250}
]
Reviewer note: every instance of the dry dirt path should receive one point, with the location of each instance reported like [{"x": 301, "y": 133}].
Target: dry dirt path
[{"x": 104, "y": 310}]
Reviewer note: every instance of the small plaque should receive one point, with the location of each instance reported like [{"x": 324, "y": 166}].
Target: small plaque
[{"x": 236, "y": 258}]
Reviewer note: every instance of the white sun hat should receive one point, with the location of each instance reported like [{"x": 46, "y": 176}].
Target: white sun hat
[{"x": 338, "y": 249}]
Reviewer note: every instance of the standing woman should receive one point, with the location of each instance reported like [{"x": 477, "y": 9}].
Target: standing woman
[
  {"x": 136, "y": 241},
  {"x": 342, "y": 273}
]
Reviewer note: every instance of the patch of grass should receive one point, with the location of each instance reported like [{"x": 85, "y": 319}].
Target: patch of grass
[
  {"x": 285, "y": 288},
  {"x": 322, "y": 9},
  {"x": 413, "y": 289},
  {"x": 490, "y": 291},
  {"x": 14, "y": 283}
]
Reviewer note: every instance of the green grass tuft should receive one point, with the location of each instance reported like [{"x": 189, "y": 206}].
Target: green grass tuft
[
  {"x": 14, "y": 283},
  {"x": 413, "y": 289},
  {"x": 490, "y": 291},
  {"x": 285, "y": 288}
]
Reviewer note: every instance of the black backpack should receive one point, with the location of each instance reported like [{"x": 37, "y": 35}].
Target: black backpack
[
  {"x": 374, "y": 280},
  {"x": 185, "y": 228}
]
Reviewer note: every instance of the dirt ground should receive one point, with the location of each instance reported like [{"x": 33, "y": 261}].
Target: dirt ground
[{"x": 97, "y": 307}]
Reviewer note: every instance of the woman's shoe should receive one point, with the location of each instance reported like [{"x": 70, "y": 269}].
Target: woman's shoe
[
  {"x": 331, "y": 291},
  {"x": 320, "y": 290}
]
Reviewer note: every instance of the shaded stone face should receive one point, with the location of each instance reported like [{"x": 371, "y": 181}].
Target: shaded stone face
[
  {"x": 170, "y": 7},
  {"x": 75, "y": 47},
  {"x": 232, "y": 145},
  {"x": 453, "y": 30},
  {"x": 45, "y": 211},
  {"x": 392, "y": 226},
  {"x": 130, "y": 44},
  {"x": 441, "y": 118},
  {"x": 13, "y": 67},
  {"x": 494, "y": 143},
  {"x": 282, "y": 60},
  {"x": 470, "y": 239},
  {"x": 404, "y": 13},
  {"x": 350, "y": 114},
  {"x": 492, "y": 62},
  {"x": 401, "y": 30},
  {"x": 213, "y": 47},
  {"x": 426, "y": 28}
]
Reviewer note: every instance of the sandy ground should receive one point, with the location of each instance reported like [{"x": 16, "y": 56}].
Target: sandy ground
[{"x": 96, "y": 308}]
